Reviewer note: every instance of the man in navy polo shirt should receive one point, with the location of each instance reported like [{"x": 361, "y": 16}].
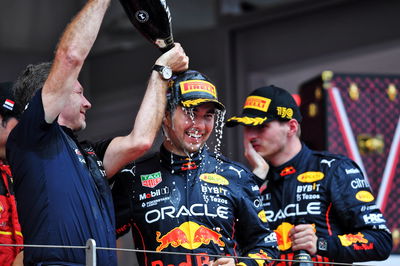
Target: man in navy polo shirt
[{"x": 62, "y": 193}]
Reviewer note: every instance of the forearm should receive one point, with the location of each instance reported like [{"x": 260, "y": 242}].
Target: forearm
[
  {"x": 123, "y": 150},
  {"x": 72, "y": 50},
  {"x": 367, "y": 245},
  {"x": 151, "y": 112},
  {"x": 80, "y": 34}
]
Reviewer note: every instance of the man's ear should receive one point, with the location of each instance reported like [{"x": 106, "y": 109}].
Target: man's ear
[
  {"x": 293, "y": 127},
  {"x": 167, "y": 119}
]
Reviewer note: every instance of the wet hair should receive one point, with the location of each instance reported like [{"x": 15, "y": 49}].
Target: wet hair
[{"x": 29, "y": 81}]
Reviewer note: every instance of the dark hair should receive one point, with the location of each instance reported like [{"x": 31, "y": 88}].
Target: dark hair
[{"x": 29, "y": 81}]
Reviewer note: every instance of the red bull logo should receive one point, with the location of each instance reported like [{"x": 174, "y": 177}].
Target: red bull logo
[
  {"x": 349, "y": 239},
  {"x": 258, "y": 103},
  {"x": 189, "y": 235},
  {"x": 260, "y": 255},
  {"x": 287, "y": 171},
  {"x": 282, "y": 234},
  {"x": 199, "y": 259},
  {"x": 188, "y": 166}
]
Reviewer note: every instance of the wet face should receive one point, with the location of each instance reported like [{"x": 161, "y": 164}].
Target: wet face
[
  {"x": 269, "y": 140},
  {"x": 74, "y": 112},
  {"x": 188, "y": 129}
]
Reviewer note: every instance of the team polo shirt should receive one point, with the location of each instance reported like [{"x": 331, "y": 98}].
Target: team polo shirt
[{"x": 60, "y": 200}]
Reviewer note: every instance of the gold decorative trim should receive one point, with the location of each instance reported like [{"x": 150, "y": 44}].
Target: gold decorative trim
[
  {"x": 392, "y": 92},
  {"x": 354, "y": 92}
]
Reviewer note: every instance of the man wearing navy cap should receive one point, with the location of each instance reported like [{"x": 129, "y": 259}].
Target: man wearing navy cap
[
  {"x": 187, "y": 199},
  {"x": 341, "y": 221},
  {"x": 10, "y": 229}
]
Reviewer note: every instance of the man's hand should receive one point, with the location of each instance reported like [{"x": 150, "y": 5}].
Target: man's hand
[
  {"x": 223, "y": 261},
  {"x": 175, "y": 58},
  {"x": 303, "y": 237},
  {"x": 258, "y": 164}
]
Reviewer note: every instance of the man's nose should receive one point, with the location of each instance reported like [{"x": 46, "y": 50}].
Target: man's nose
[
  {"x": 86, "y": 103},
  {"x": 199, "y": 122}
]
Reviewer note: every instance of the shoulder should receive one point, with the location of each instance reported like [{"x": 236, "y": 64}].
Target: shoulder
[
  {"x": 99, "y": 147},
  {"x": 229, "y": 164},
  {"x": 330, "y": 160},
  {"x": 234, "y": 171},
  {"x": 338, "y": 168},
  {"x": 149, "y": 159}
]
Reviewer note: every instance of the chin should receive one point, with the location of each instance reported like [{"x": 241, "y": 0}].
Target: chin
[
  {"x": 83, "y": 125},
  {"x": 192, "y": 148},
  {"x": 80, "y": 127}
]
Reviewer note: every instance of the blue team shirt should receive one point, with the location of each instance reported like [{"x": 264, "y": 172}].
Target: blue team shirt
[{"x": 59, "y": 201}]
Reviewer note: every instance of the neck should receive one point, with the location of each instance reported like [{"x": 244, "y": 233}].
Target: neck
[
  {"x": 171, "y": 148},
  {"x": 290, "y": 150}
]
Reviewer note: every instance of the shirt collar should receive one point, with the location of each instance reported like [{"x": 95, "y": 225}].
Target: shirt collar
[
  {"x": 291, "y": 166},
  {"x": 178, "y": 163}
]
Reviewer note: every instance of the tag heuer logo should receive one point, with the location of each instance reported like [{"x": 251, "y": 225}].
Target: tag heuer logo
[{"x": 151, "y": 180}]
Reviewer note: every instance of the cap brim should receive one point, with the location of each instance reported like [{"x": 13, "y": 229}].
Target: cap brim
[
  {"x": 197, "y": 102},
  {"x": 246, "y": 121}
]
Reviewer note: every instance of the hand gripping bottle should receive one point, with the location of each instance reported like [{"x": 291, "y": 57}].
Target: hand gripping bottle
[{"x": 301, "y": 257}]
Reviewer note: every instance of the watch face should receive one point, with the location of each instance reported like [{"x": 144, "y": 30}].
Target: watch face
[{"x": 166, "y": 73}]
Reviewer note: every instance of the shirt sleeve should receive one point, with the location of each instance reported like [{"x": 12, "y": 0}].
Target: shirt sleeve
[
  {"x": 32, "y": 129},
  {"x": 366, "y": 236},
  {"x": 255, "y": 238},
  {"x": 100, "y": 147},
  {"x": 122, "y": 204}
]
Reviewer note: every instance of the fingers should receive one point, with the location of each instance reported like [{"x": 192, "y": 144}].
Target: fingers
[
  {"x": 259, "y": 165},
  {"x": 175, "y": 58},
  {"x": 303, "y": 237}
]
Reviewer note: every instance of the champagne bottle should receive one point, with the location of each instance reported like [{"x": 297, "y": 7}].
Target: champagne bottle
[{"x": 152, "y": 19}]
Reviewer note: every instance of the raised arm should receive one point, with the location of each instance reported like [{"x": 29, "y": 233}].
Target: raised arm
[
  {"x": 123, "y": 150},
  {"x": 72, "y": 50}
]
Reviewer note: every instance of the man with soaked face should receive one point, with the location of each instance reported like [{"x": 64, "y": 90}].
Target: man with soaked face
[{"x": 186, "y": 199}]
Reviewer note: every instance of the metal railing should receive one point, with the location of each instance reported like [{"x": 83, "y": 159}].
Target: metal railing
[{"x": 91, "y": 248}]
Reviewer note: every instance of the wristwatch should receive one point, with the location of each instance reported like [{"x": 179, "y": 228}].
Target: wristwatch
[{"x": 165, "y": 71}]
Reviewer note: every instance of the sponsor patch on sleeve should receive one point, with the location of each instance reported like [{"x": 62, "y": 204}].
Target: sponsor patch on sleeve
[{"x": 364, "y": 196}]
